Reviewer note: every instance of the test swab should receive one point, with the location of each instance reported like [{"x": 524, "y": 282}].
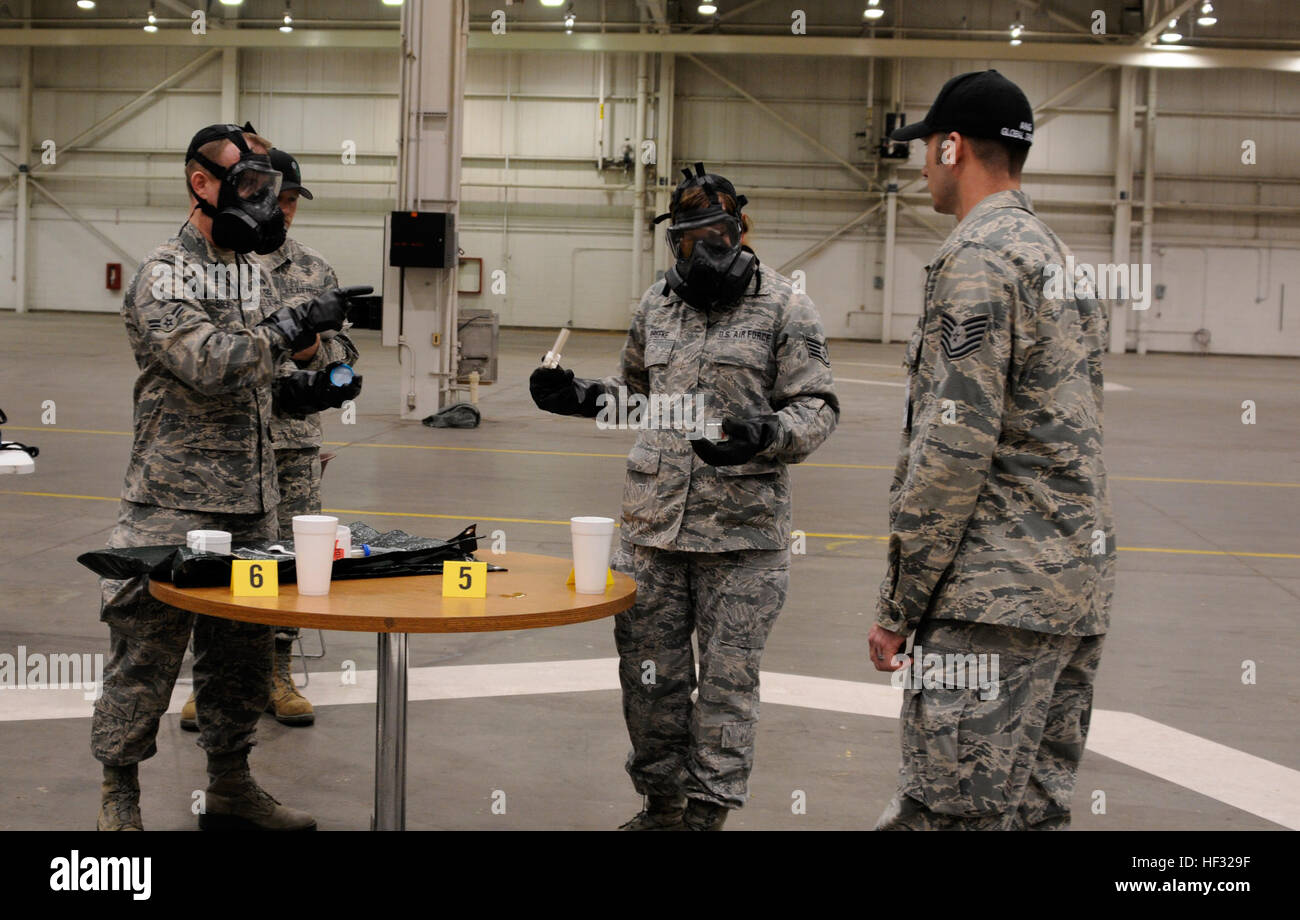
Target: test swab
[{"x": 552, "y": 358}]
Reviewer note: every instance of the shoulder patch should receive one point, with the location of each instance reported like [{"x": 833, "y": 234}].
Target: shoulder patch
[
  {"x": 817, "y": 348},
  {"x": 964, "y": 337}
]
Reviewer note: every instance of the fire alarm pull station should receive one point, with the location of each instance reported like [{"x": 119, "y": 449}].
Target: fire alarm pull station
[{"x": 113, "y": 276}]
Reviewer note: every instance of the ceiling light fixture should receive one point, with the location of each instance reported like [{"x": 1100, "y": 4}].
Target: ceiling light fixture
[
  {"x": 85, "y": 4},
  {"x": 151, "y": 26},
  {"x": 569, "y": 20},
  {"x": 707, "y": 9},
  {"x": 1171, "y": 34},
  {"x": 1207, "y": 17},
  {"x": 873, "y": 10}
]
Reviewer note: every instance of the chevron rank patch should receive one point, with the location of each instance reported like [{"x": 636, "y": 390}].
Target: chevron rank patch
[
  {"x": 167, "y": 322},
  {"x": 817, "y": 348},
  {"x": 961, "y": 338}
]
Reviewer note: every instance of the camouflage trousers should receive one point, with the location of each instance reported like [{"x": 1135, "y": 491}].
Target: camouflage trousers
[
  {"x": 232, "y": 660},
  {"x": 1005, "y": 762},
  {"x": 730, "y": 601},
  {"x": 298, "y": 470}
]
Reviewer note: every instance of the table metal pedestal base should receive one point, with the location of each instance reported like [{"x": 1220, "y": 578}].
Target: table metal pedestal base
[{"x": 390, "y": 734}]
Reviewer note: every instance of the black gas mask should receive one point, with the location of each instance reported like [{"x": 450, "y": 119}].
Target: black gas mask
[
  {"x": 247, "y": 216},
  {"x": 712, "y": 269}
]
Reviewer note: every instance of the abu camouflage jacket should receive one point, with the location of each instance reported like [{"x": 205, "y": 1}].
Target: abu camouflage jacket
[
  {"x": 764, "y": 355},
  {"x": 999, "y": 510}
]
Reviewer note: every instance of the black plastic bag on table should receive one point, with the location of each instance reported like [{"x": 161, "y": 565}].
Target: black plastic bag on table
[{"x": 402, "y": 554}]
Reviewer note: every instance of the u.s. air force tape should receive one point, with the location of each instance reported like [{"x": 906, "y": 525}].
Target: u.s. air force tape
[
  {"x": 962, "y": 337},
  {"x": 817, "y": 348}
]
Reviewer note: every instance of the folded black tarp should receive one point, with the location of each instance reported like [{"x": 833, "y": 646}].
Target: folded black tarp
[{"x": 185, "y": 568}]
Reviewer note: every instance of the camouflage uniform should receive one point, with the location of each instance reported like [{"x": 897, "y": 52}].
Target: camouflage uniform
[
  {"x": 300, "y": 274},
  {"x": 710, "y": 545},
  {"x": 201, "y": 459},
  {"x": 1001, "y": 539}
]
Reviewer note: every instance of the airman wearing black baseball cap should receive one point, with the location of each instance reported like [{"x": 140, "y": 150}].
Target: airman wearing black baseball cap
[
  {"x": 1022, "y": 365},
  {"x": 982, "y": 103},
  {"x": 287, "y": 166}
]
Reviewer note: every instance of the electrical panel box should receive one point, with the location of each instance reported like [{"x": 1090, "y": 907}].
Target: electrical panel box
[
  {"x": 891, "y": 149},
  {"x": 422, "y": 239}
]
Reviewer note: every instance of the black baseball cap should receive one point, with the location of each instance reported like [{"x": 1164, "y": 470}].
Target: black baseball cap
[
  {"x": 982, "y": 103},
  {"x": 287, "y": 166}
]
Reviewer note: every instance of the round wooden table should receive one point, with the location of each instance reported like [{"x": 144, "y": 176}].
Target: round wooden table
[{"x": 530, "y": 595}]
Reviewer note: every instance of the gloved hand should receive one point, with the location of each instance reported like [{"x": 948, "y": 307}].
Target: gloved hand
[
  {"x": 556, "y": 390},
  {"x": 326, "y": 313},
  {"x": 745, "y": 438},
  {"x": 305, "y": 392}
]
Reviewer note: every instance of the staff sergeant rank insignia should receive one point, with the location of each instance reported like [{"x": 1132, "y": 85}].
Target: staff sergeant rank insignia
[
  {"x": 817, "y": 349},
  {"x": 962, "y": 338}
]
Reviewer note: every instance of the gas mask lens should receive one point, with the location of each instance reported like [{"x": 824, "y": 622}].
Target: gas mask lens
[
  {"x": 718, "y": 232},
  {"x": 255, "y": 182}
]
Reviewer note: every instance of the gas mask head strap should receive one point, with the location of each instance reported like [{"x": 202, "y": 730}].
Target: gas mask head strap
[
  {"x": 711, "y": 185},
  {"x": 232, "y": 133}
]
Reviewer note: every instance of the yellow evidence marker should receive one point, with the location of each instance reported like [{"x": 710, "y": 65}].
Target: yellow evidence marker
[
  {"x": 464, "y": 579},
  {"x": 254, "y": 578}
]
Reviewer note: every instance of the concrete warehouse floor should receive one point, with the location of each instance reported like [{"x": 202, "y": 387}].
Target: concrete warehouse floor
[{"x": 1205, "y": 507}]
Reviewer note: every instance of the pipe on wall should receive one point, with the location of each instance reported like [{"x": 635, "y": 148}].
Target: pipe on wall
[{"x": 638, "y": 208}]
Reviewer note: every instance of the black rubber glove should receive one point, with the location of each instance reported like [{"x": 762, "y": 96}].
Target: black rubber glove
[
  {"x": 305, "y": 392},
  {"x": 745, "y": 438},
  {"x": 556, "y": 390},
  {"x": 300, "y": 323}
]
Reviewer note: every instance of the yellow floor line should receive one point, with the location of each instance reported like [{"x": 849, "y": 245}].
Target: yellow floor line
[
  {"x": 510, "y": 520},
  {"x": 579, "y": 453},
  {"x": 1208, "y": 482},
  {"x": 477, "y": 450}
]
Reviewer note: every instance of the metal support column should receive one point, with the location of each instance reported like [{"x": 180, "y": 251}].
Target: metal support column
[
  {"x": 22, "y": 213},
  {"x": 390, "y": 734},
  {"x": 891, "y": 215},
  {"x": 420, "y": 304},
  {"x": 1121, "y": 250},
  {"x": 665, "y": 181},
  {"x": 891, "y": 234},
  {"x": 638, "y": 204},
  {"x": 1148, "y": 193},
  {"x": 230, "y": 86}
]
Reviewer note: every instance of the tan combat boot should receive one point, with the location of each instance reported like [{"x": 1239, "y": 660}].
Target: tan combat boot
[
  {"x": 704, "y": 816},
  {"x": 119, "y": 808},
  {"x": 234, "y": 801},
  {"x": 661, "y": 813},
  {"x": 289, "y": 706},
  {"x": 190, "y": 715}
]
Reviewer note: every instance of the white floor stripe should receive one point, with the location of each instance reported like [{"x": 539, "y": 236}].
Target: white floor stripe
[
  {"x": 1242, "y": 780},
  {"x": 1234, "y": 777},
  {"x": 871, "y": 383}
]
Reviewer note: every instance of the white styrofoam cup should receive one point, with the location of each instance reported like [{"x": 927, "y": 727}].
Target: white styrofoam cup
[
  {"x": 313, "y": 545},
  {"x": 591, "y": 541}
]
